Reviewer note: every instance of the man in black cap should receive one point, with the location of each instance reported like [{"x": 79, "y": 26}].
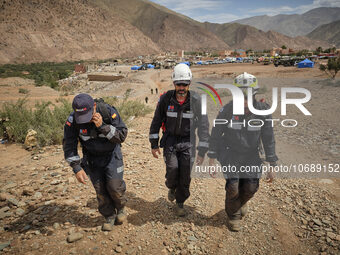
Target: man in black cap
[{"x": 102, "y": 157}]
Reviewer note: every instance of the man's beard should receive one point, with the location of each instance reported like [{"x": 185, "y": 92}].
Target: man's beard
[{"x": 181, "y": 92}]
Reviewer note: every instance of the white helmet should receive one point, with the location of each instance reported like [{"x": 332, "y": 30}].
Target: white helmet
[
  {"x": 245, "y": 81},
  {"x": 181, "y": 74}
]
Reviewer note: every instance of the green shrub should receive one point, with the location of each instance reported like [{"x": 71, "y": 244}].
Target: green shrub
[
  {"x": 15, "y": 120},
  {"x": 332, "y": 67},
  {"x": 46, "y": 73},
  {"x": 23, "y": 91},
  {"x": 48, "y": 119},
  {"x": 128, "y": 108}
]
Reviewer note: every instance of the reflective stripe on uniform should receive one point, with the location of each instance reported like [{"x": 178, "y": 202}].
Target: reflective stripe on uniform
[
  {"x": 249, "y": 128},
  {"x": 120, "y": 169},
  {"x": 188, "y": 115},
  {"x": 111, "y": 133},
  {"x": 101, "y": 135},
  {"x": 84, "y": 137},
  {"x": 73, "y": 159},
  {"x": 203, "y": 144},
  {"x": 171, "y": 114},
  {"x": 235, "y": 126},
  {"x": 153, "y": 136}
]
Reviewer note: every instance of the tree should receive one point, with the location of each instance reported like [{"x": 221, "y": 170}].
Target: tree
[
  {"x": 319, "y": 49},
  {"x": 283, "y": 47},
  {"x": 332, "y": 67},
  {"x": 301, "y": 53},
  {"x": 327, "y": 50}
]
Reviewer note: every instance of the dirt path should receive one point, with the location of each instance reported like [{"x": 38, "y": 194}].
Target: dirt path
[{"x": 45, "y": 204}]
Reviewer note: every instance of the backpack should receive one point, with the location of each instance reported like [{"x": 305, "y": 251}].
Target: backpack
[{"x": 102, "y": 109}]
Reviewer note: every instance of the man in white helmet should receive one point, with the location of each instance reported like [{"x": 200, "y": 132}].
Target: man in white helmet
[
  {"x": 178, "y": 113},
  {"x": 237, "y": 145}
]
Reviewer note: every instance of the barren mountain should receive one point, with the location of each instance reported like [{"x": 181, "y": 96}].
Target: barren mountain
[
  {"x": 329, "y": 32},
  {"x": 295, "y": 24},
  {"x": 247, "y": 37},
  {"x": 173, "y": 31},
  {"x": 38, "y": 30},
  {"x": 168, "y": 29}
]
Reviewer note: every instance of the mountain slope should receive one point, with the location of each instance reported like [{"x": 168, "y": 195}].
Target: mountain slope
[
  {"x": 168, "y": 29},
  {"x": 39, "y": 30},
  {"x": 295, "y": 24},
  {"x": 328, "y": 32},
  {"x": 247, "y": 37},
  {"x": 46, "y": 30}
]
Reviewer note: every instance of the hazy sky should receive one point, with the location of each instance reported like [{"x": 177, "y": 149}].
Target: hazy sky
[{"x": 221, "y": 11}]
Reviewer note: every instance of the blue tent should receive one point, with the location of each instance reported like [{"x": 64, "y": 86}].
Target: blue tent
[
  {"x": 187, "y": 63},
  {"x": 305, "y": 63},
  {"x": 151, "y": 66},
  {"x": 134, "y": 67},
  {"x": 199, "y": 63}
]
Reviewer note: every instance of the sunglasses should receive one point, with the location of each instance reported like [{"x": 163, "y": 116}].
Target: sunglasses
[{"x": 182, "y": 84}]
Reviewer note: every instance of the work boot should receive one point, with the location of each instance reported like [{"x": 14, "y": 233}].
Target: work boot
[
  {"x": 121, "y": 216},
  {"x": 180, "y": 210},
  {"x": 110, "y": 222},
  {"x": 244, "y": 210},
  {"x": 235, "y": 225},
  {"x": 171, "y": 195}
]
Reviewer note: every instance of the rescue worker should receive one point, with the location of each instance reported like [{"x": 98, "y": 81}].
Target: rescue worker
[
  {"x": 100, "y": 131},
  {"x": 237, "y": 144},
  {"x": 179, "y": 114}
]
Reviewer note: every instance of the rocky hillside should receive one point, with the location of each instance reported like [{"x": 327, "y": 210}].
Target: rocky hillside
[
  {"x": 247, "y": 37},
  {"x": 38, "y": 30},
  {"x": 295, "y": 24},
  {"x": 168, "y": 29},
  {"x": 329, "y": 32}
]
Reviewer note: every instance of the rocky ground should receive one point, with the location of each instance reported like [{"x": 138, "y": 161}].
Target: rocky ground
[{"x": 45, "y": 211}]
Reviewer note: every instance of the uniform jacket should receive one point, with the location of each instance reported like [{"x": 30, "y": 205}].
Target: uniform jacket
[
  {"x": 242, "y": 138},
  {"x": 180, "y": 121},
  {"x": 94, "y": 141}
]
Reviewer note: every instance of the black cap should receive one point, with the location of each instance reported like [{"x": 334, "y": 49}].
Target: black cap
[{"x": 83, "y": 108}]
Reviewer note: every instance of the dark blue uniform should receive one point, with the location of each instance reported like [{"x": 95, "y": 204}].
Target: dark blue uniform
[
  {"x": 179, "y": 125},
  {"x": 102, "y": 158},
  {"x": 238, "y": 145}
]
